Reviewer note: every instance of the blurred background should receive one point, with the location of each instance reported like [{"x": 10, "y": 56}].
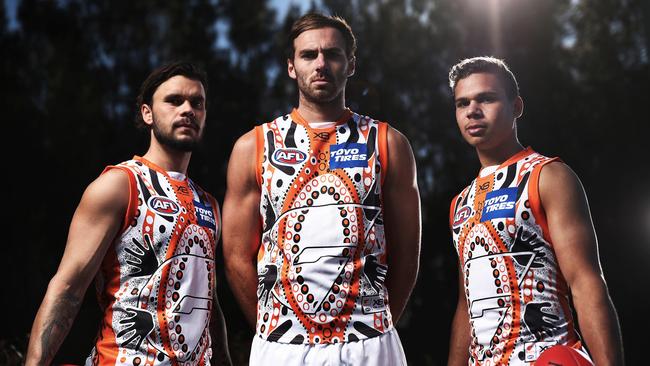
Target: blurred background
[{"x": 71, "y": 69}]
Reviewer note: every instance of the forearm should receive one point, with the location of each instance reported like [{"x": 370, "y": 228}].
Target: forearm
[
  {"x": 52, "y": 324},
  {"x": 220, "y": 353},
  {"x": 242, "y": 277},
  {"x": 400, "y": 282},
  {"x": 460, "y": 338},
  {"x": 599, "y": 324}
]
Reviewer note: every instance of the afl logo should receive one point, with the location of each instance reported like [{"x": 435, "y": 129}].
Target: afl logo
[
  {"x": 461, "y": 216},
  {"x": 163, "y": 205},
  {"x": 289, "y": 156}
]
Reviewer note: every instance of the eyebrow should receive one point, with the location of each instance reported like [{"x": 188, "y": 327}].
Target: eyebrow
[
  {"x": 194, "y": 96},
  {"x": 484, "y": 94},
  {"x": 325, "y": 50}
]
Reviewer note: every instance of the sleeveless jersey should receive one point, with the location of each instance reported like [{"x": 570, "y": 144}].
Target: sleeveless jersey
[
  {"x": 517, "y": 298},
  {"x": 322, "y": 258},
  {"x": 156, "y": 283}
]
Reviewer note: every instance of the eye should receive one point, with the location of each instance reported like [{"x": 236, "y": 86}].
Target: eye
[
  {"x": 462, "y": 103},
  {"x": 309, "y": 55},
  {"x": 174, "y": 100},
  {"x": 198, "y": 103}
]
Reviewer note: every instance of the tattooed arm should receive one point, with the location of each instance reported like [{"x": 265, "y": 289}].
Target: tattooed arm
[{"x": 94, "y": 225}]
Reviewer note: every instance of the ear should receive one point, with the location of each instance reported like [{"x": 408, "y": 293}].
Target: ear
[
  {"x": 352, "y": 65},
  {"x": 147, "y": 114},
  {"x": 291, "y": 70},
  {"x": 518, "y": 107}
]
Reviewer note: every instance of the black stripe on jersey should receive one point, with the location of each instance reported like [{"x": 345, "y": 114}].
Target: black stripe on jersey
[
  {"x": 366, "y": 330},
  {"x": 512, "y": 171},
  {"x": 522, "y": 185},
  {"x": 354, "y": 133},
  {"x": 270, "y": 140},
  {"x": 289, "y": 141},
  {"x": 279, "y": 331},
  {"x": 144, "y": 189},
  {"x": 156, "y": 183},
  {"x": 372, "y": 137}
]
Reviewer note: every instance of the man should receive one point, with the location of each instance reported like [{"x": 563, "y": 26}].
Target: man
[
  {"x": 322, "y": 218},
  {"x": 149, "y": 234},
  {"x": 524, "y": 237}
]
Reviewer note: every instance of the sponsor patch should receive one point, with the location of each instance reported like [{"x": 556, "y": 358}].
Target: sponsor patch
[
  {"x": 205, "y": 215},
  {"x": 499, "y": 204},
  {"x": 373, "y": 304},
  {"x": 163, "y": 205},
  {"x": 532, "y": 350},
  {"x": 348, "y": 155},
  {"x": 288, "y": 156},
  {"x": 461, "y": 216}
]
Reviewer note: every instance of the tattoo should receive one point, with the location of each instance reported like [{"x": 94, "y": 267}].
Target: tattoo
[{"x": 57, "y": 325}]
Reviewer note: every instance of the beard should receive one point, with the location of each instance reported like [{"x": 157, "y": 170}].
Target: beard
[
  {"x": 320, "y": 95},
  {"x": 167, "y": 138}
]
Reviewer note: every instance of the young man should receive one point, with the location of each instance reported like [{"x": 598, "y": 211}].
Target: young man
[
  {"x": 524, "y": 237},
  {"x": 322, "y": 218},
  {"x": 149, "y": 234}
]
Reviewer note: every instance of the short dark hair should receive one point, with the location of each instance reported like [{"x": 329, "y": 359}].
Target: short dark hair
[
  {"x": 317, "y": 21},
  {"x": 485, "y": 64},
  {"x": 162, "y": 74}
]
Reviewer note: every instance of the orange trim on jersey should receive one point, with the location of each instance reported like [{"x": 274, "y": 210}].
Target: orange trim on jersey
[
  {"x": 155, "y": 167},
  {"x": 259, "y": 153},
  {"x": 536, "y": 202},
  {"x": 133, "y": 197},
  {"x": 516, "y": 157},
  {"x": 296, "y": 117},
  {"x": 382, "y": 140},
  {"x": 452, "y": 211},
  {"x": 106, "y": 345},
  {"x": 217, "y": 216}
]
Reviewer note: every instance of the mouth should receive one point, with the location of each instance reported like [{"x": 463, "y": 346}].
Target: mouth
[
  {"x": 187, "y": 124},
  {"x": 475, "y": 129}
]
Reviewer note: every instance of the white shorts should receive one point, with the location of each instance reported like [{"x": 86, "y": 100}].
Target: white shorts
[{"x": 384, "y": 350}]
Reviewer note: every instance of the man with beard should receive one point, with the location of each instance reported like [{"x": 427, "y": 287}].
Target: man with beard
[
  {"x": 322, "y": 218},
  {"x": 149, "y": 234}
]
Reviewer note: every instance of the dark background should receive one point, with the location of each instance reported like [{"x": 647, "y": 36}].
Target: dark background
[{"x": 71, "y": 69}]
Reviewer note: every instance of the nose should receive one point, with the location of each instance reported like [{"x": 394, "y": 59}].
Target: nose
[
  {"x": 187, "y": 108},
  {"x": 320, "y": 61},
  {"x": 474, "y": 111}
]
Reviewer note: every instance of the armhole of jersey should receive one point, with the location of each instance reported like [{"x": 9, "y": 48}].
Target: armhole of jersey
[
  {"x": 535, "y": 200},
  {"x": 217, "y": 216},
  {"x": 133, "y": 197},
  {"x": 259, "y": 151},
  {"x": 452, "y": 210},
  {"x": 382, "y": 141}
]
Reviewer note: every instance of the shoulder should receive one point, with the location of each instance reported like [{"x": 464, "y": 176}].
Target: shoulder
[
  {"x": 247, "y": 143},
  {"x": 109, "y": 190},
  {"x": 558, "y": 182},
  {"x": 396, "y": 140}
]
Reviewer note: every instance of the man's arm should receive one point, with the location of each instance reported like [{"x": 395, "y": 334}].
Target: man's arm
[
  {"x": 401, "y": 200},
  {"x": 241, "y": 225},
  {"x": 96, "y": 221},
  {"x": 220, "y": 354},
  {"x": 460, "y": 335},
  {"x": 576, "y": 248}
]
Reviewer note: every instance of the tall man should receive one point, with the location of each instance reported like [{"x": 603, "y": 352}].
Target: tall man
[
  {"x": 149, "y": 234},
  {"x": 524, "y": 237},
  {"x": 322, "y": 218}
]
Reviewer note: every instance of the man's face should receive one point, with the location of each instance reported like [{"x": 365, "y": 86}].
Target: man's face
[
  {"x": 320, "y": 64},
  {"x": 485, "y": 115},
  {"x": 177, "y": 115}
]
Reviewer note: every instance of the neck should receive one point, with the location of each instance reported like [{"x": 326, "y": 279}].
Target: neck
[
  {"x": 321, "y": 112},
  {"x": 167, "y": 158},
  {"x": 497, "y": 155}
]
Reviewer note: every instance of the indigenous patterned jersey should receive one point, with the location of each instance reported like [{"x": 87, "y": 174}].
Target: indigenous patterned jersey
[
  {"x": 516, "y": 296},
  {"x": 322, "y": 258},
  {"x": 156, "y": 283}
]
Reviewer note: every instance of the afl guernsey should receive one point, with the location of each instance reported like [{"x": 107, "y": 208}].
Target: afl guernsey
[
  {"x": 156, "y": 283},
  {"x": 517, "y": 299},
  {"x": 322, "y": 258}
]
